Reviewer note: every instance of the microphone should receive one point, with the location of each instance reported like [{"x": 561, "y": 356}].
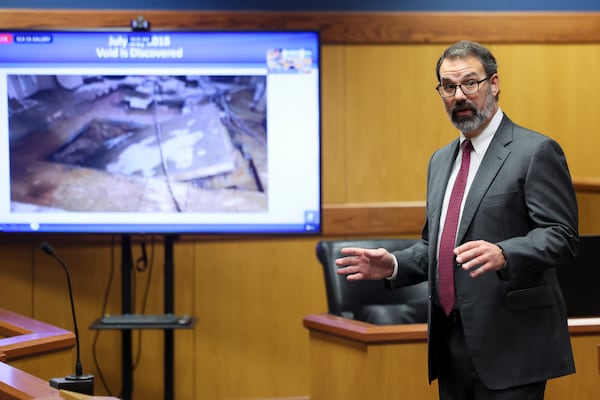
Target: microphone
[{"x": 79, "y": 382}]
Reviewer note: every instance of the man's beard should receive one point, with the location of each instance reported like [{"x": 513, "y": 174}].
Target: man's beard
[{"x": 469, "y": 124}]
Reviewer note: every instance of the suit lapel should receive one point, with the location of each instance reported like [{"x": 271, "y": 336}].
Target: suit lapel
[
  {"x": 439, "y": 181},
  {"x": 493, "y": 160}
]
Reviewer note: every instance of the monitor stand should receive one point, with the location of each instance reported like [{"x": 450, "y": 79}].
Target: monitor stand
[{"x": 129, "y": 321}]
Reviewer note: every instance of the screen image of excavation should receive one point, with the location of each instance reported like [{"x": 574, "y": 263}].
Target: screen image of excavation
[{"x": 147, "y": 143}]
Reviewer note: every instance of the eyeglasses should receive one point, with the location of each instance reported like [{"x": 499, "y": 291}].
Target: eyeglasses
[{"x": 470, "y": 86}]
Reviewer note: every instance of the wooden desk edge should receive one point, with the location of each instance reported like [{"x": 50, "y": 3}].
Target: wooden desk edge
[
  {"x": 26, "y": 337},
  {"x": 582, "y": 326},
  {"x": 370, "y": 333},
  {"x": 17, "y": 384},
  {"x": 363, "y": 331},
  {"x": 69, "y": 395}
]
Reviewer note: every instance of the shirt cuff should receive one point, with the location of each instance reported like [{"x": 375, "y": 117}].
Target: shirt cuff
[{"x": 395, "y": 273}]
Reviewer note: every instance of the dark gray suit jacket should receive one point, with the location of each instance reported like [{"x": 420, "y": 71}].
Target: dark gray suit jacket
[{"x": 522, "y": 198}]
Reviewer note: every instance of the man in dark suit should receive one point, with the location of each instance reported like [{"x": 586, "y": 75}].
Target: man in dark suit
[{"x": 498, "y": 329}]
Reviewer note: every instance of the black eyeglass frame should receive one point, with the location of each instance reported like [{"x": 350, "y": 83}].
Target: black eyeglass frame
[{"x": 456, "y": 86}]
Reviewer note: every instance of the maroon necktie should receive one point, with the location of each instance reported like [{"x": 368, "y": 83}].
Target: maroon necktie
[{"x": 448, "y": 239}]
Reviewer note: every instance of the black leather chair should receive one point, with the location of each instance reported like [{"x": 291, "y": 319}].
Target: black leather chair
[
  {"x": 370, "y": 301},
  {"x": 580, "y": 280}
]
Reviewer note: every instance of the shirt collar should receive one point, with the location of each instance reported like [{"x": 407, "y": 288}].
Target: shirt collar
[{"x": 482, "y": 141}]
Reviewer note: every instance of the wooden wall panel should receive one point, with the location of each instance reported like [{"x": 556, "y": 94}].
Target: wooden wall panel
[
  {"x": 381, "y": 121},
  {"x": 333, "y": 156},
  {"x": 549, "y": 88},
  {"x": 344, "y": 27},
  {"x": 16, "y": 272},
  {"x": 394, "y": 121},
  {"x": 251, "y": 296}
]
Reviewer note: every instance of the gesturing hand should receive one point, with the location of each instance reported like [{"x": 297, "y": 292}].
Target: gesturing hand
[
  {"x": 358, "y": 264},
  {"x": 479, "y": 256}
]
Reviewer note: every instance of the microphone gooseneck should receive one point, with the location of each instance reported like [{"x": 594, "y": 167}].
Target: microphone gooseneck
[{"x": 50, "y": 251}]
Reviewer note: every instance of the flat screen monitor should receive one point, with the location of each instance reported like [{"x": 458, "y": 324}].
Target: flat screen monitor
[{"x": 112, "y": 131}]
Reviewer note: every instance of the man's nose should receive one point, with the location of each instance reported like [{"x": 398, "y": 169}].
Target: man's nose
[{"x": 459, "y": 94}]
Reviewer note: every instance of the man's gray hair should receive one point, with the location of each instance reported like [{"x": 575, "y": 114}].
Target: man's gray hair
[{"x": 464, "y": 49}]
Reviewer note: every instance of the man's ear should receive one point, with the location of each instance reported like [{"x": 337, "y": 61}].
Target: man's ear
[{"x": 495, "y": 82}]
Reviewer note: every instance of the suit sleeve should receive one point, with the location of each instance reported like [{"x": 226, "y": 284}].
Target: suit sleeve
[{"x": 551, "y": 235}]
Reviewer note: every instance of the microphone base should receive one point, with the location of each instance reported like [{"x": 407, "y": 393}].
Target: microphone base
[{"x": 79, "y": 384}]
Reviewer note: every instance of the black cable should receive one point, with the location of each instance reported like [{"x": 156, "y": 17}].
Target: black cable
[
  {"x": 141, "y": 264},
  {"x": 103, "y": 312},
  {"x": 150, "y": 269}
]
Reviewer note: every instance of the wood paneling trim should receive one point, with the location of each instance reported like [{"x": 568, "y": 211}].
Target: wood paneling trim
[
  {"x": 26, "y": 337},
  {"x": 371, "y": 219},
  {"x": 587, "y": 185},
  {"x": 402, "y": 218},
  {"x": 361, "y": 219},
  {"x": 342, "y": 27},
  {"x": 369, "y": 333}
]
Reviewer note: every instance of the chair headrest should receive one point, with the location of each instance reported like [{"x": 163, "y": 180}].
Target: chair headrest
[{"x": 369, "y": 300}]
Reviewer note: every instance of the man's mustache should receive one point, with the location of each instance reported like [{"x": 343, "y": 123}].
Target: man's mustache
[{"x": 462, "y": 107}]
